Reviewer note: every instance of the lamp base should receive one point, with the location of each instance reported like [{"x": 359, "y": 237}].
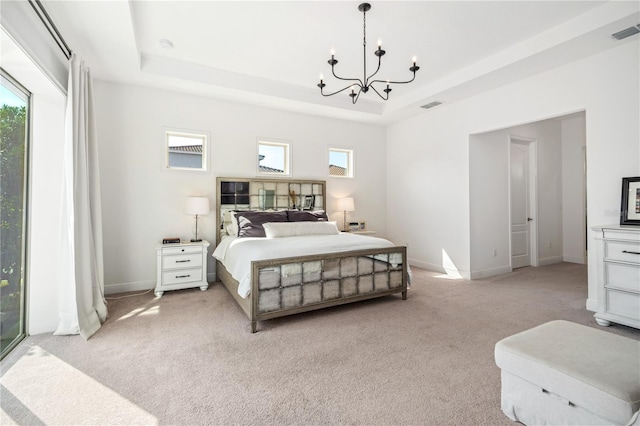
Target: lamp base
[{"x": 193, "y": 240}]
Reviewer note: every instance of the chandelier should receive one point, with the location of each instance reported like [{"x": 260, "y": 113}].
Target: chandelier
[{"x": 359, "y": 86}]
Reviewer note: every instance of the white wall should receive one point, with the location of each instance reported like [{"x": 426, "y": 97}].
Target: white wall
[
  {"x": 489, "y": 196},
  {"x": 573, "y": 190},
  {"x": 143, "y": 203},
  {"x": 428, "y": 186}
]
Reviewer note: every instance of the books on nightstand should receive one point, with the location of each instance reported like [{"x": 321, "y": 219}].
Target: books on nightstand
[{"x": 170, "y": 240}]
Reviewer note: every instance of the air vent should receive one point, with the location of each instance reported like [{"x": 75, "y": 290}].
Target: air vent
[
  {"x": 431, "y": 104},
  {"x": 626, "y": 33}
]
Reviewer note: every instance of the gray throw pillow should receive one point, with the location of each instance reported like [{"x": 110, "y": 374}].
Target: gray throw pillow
[
  {"x": 307, "y": 215},
  {"x": 250, "y": 223}
]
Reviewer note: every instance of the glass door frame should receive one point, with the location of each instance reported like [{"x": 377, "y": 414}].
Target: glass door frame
[{"x": 7, "y": 78}]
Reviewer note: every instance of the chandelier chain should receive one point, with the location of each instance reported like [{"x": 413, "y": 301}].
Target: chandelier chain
[{"x": 364, "y": 29}]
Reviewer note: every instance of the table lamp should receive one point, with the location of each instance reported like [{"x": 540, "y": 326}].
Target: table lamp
[
  {"x": 346, "y": 205},
  {"x": 197, "y": 206}
]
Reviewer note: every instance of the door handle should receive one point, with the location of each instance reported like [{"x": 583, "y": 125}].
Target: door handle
[{"x": 529, "y": 219}]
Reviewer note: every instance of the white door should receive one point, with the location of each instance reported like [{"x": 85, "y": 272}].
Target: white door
[{"x": 520, "y": 208}]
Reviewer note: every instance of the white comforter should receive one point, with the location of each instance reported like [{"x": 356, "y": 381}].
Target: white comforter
[{"x": 236, "y": 253}]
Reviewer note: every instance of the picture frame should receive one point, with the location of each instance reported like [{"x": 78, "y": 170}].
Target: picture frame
[
  {"x": 309, "y": 201},
  {"x": 363, "y": 226},
  {"x": 354, "y": 226},
  {"x": 630, "y": 206}
]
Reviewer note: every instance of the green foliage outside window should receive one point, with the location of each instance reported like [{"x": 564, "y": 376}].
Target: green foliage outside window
[{"x": 12, "y": 162}]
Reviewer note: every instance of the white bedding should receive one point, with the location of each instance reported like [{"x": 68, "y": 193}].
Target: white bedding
[{"x": 236, "y": 253}]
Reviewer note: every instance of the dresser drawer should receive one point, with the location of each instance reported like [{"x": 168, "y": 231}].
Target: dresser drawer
[
  {"x": 182, "y": 261},
  {"x": 181, "y": 276},
  {"x": 623, "y": 304},
  {"x": 181, "y": 250},
  {"x": 622, "y": 276},
  {"x": 622, "y": 251}
]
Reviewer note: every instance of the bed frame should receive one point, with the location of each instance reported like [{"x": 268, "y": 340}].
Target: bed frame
[{"x": 310, "y": 282}]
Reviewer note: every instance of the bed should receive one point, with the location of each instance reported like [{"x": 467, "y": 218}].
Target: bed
[{"x": 276, "y": 259}]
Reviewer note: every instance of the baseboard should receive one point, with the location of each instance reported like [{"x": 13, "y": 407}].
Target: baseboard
[
  {"x": 127, "y": 287},
  {"x": 142, "y": 285},
  {"x": 426, "y": 265},
  {"x": 592, "y": 305},
  {"x": 438, "y": 268},
  {"x": 485, "y": 273},
  {"x": 550, "y": 260},
  {"x": 571, "y": 259}
]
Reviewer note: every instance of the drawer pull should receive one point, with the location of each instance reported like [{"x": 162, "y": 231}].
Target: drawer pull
[
  {"x": 631, "y": 252},
  {"x": 183, "y": 276},
  {"x": 183, "y": 261}
]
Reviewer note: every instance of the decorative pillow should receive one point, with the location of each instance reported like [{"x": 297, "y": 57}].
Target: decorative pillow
[
  {"x": 307, "y": 215},
  {"x": 294, "y": 229},
  {"x": 250, "y": 223},
  {"x": 231, "y": 223}
]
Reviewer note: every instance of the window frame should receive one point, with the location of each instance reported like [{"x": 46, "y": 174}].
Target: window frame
[
  {"x": 351, "y": 152},
  {"x": 23, "y": 322},
  {"x": 288, "y": 148},
  {"x": 189, "y": 133}
]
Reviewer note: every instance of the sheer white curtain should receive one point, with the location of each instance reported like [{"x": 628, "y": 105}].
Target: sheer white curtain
[{"x": 82, "y": 307}]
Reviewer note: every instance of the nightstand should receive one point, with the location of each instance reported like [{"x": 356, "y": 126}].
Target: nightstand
[
  {"x": 182, "y": 265},
  {"x": 369, "y": 233}
]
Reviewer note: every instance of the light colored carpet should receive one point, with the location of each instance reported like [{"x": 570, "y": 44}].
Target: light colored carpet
[{"x": 188, "y": 358}]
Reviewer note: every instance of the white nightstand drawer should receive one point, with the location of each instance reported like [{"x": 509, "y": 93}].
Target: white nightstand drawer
[
  {"x": 181, "y": 276},
  {"x": 622, "y": 276},
  {"x": 623, "y": 304},
  {"x": 182, "y": 261},
  {"x": 181, "y": 249},
  {"x": 624, "y": 251}
]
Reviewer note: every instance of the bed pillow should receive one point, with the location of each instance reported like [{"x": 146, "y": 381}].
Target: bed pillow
[
  {"x": 250, "y": 223},
  {"x": 294, "y": 229},
  {"x": 307, "y": 215},
  {"x": 231, "y": 223}
]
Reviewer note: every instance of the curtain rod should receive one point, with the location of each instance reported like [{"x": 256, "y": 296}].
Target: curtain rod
[{"x": 51, "y": 27}]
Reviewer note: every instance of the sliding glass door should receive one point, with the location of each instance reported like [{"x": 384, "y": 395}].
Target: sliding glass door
[{"x": 14, "y": 136}]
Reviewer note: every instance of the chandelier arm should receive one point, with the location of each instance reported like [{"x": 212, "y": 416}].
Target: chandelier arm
[
  {"x": 371, "y": 76},
  {"x": 378, "y": 93},
  {"x": 394, "y": 82},
  {"x": 354, "y": 99},
  {"x": 337, "y": 91},
  {"x": 347, "y": 79}
]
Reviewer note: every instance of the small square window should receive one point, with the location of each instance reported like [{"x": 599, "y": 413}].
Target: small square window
[
  {"x": 186, "y": 151},
  {"x": 274, "y": 158},
  {"x": 341, "y": 162}
]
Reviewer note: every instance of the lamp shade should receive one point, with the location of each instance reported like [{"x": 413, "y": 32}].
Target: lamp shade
[
  {"x": 345, "y": 204},
  {"x": 197, "y": 205}
]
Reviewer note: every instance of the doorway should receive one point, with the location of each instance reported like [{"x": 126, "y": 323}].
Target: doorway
[{"x": 523, "y": 202}]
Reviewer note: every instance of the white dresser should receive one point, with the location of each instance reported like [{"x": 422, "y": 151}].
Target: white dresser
[
  {"x": 618, "y": 255},
  {"x": 182, "y": 265}
]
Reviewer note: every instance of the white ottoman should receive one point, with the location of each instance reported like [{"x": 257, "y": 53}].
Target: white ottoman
[{"x": 562, "y": 373}]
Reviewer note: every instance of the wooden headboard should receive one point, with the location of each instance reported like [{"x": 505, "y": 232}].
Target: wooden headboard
[{"x": 266, "y": 194}]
